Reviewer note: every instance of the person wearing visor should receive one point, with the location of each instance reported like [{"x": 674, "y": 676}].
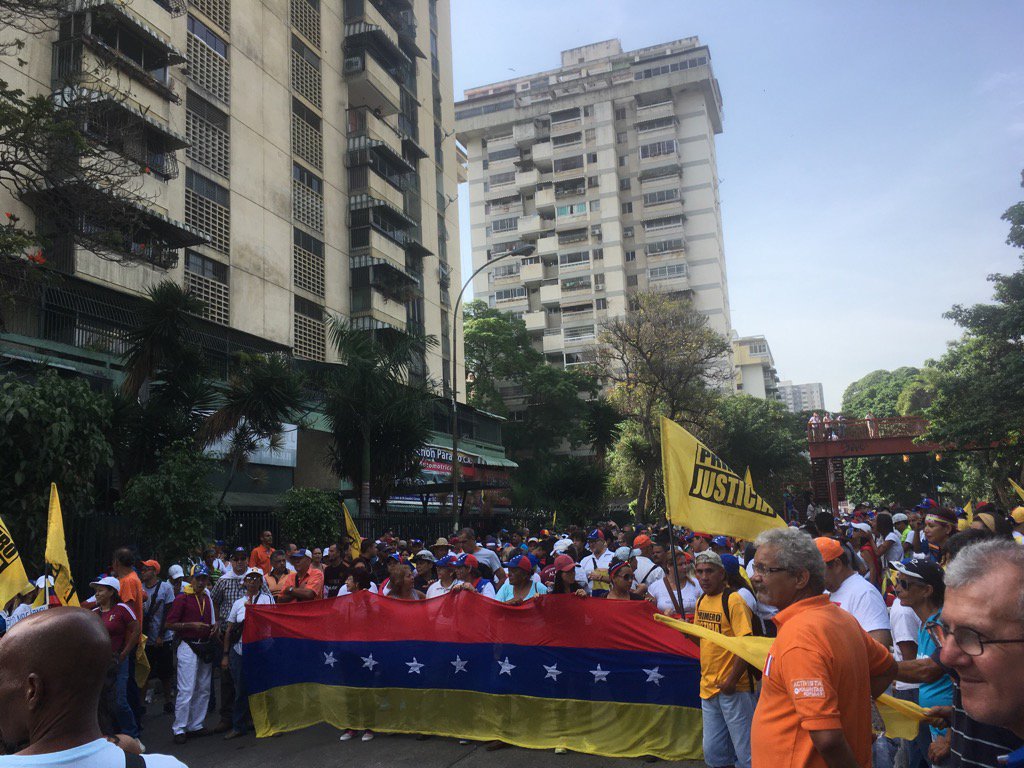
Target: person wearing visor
[
  {"x": 124, "y": 628},
  {"x": 520, "y": 586}
]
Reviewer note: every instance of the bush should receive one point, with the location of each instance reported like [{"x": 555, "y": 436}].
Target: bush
[{"x": 310, "y": 517}]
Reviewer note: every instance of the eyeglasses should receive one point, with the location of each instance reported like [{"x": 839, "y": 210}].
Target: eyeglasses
[
  {"x": 968, "y": 640},
  {"x": 765, "y": 569},
  {"x": 905, "y": 585}
]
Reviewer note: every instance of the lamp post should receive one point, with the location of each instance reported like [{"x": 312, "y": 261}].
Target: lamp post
[{"x": 523, "y": 249}]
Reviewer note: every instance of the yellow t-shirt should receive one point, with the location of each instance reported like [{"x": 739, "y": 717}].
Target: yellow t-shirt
[{"x": 715, "y": 660}]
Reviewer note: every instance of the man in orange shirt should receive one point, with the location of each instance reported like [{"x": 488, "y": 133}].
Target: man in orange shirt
[
  {"x": 823, "y": 669},
  {"x": 305, "y": 584},
  {"x": 134, "y": 596},
  {"x": 260, "y": 555}
]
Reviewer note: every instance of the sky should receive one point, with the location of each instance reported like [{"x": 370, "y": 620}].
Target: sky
[{"x": 868, "y": 152}]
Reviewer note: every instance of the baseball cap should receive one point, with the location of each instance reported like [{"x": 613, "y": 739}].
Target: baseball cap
[
  {"x": 720, "y": 541},
  {"x": 702, "y": 535},
  {"x": 561, "y": 545},
  {"x": 175, "y": 572},
  {"x": 238, "y": 551},
  {"x": 151, "y": 564},
  {"x": 1018, "y": 515},
  {"x": 731, "y": 564},
  {"x": 899, "y": 517},
  {"x": 708, "y": 556},
  {"x": 424, "y": 554},
  {"x": 830, "y": 549},
  {"x": 467, "y": 561},
  {"x": 564, "y": 563},
  {"x": 623, "y": 553},
  {"x": 251, "y": 571},
  {"x": 106, "y": 581},
  {"x": 641, "y": 541},
  {"x": 522, "y": 562},
  {"x": 863, "y": 527},
  {"x": 448, "y": 561},
  {"x": 922, "y": 570},
  {"x": 201, "y": 570},
  {"x": 597, "y": 533},
  {"x": 927, "y": 504},
  {"x": 299, "y": 553}
]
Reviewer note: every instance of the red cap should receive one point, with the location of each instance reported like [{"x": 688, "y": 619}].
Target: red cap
[
  {"x": 830, "y": 548},
  {"x": 641, "y": 541},
  {"x": 152, "y": 564},
  {"x": 564, "y": 563},
  {"x": 702, "y": 535},
  {"x": 469, "y": 561}
]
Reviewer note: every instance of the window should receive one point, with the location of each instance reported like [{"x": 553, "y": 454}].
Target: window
[
  {"x": 307, "y": 262},
  {"x": 588, "y": 110},
  {"x": 654, "y": 125},
  {"x": 597, "y": 254},
  {"x": 508, "y": 294},
  {"x": 666, "y": 272},
  {"x": 661, "y": 196},
  {"x": 571, "y": 210},
  {"x": 592, "y": 181},
  {"x": 591, "y": 157},
  {"x": 620, "y": 113},
  {"x": 666, "y": 222},
  {"x": 567, "y": 163},
  {"x": 595, "y": 232},
  {"x": 675, "y": 66},
  {"x": 631, "y": 280},
  {"x": 665, "y": 246},
  {"x": 310, "y": 336},
  {"x": 601, "y": 304},
  {"x": 567, "y": 139},
  {"x": 572, "y": 236},
  {"x": 208, "y": 280},
  {"x": 307, "y": 198},
  {"x": 208, "y": 36},
  {"x": 622, "y": 161},
  {"x": 505, "y": 270},
  {"x": 599, "y": 282},
  {"x": 207, "y": 208},
  {"x": 206, "y": 128},
  {"x": 591, "y": 134},
  {"x": 307, "y": 140},
  {"x": 307, "y": 178},
  {"x": 758, "y": 348},
  {"x": 503, "y": 154},
  {"x": 208, "y": 65},
  {"x": 505, "y": 225},
  {"x": 306, "y": 72},
  {"x": 630, "y": 255},
  {"x": 624, "y": 184},
  {"x": 501, "y": 179},
  {"x": 576, "y": 284},
  {"x": 620, "y": 137},
  {"x": 627, "y": 207},
  {"x": 576, "y": 259},
  {"x": 595, "y": 205},
  {"x": 565, "y": 115},
  {"x": 627, "y": 231},
  {"x": 657, "y": 149},
  {"x": 305, "y": 16}
]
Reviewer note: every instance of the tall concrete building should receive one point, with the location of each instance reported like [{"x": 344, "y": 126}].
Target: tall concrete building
[
  {"x": 295, "y": 160},
  {"x": 802, "y": 397},
  {"x": 754, "y": 368},
  {"x": 607, "y": 165}
]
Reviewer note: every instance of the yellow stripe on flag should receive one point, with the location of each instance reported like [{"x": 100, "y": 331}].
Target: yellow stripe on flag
[
  {"x": 57, "y": 553},
  {"x": 969, "y": 511},
  {"x": 703, "y": 494},
  {"x": 1017, "y": 488},
  {"x": 901, "y": 717},
  {"x": 13, "y": 580},
  {"x": 352, "y": 532}
]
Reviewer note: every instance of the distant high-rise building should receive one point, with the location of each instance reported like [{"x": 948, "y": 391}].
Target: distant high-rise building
[
  {"x": 754, "y": 368},
  {"x": 607, "y": 165},
  {"x": 802, "y": 397}
]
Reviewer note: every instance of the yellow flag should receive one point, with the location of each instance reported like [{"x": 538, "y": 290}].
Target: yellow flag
[
  {"x": 1017, "y": 488},
  {"x": 969, "y": 510},
  {"x": 703, "y": 494},
  {"x": 901, "y": 717},
  {"x": 747, "y": 479},
  {"x": 12, "y": 572},
  {"x": 352, "y": 532},
  {"x": 57, "y": 553}
]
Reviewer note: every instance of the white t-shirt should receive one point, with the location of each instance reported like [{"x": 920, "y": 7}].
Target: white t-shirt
[
  {"x": 488, "y": 558},
  {"x": 861, "y": 600},
  {"x": 895, "y": 553},
  {"x": 646, "y": 572},
  {"x": 437, "y": 588},
  {"x": 237, "y": 613},
  {"x": 687, "y": 596},
  {"x": 905, "y": 625},
  {"x": 96, "y": 754},
  {"x": 592, "y": 563}
]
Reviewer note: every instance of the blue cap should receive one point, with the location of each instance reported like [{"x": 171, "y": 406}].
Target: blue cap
[
  {"x": 731, "y": 564},
  {"x": 720, "y": 541},
  {"x": 201, "y": 570},
  {"x": 401, "y": 559},
  {"x": 595, "y": 534},
  {"x": 522, "y": 562},
  {"x": 300, "y": 553},
  {"x": 219, "y": 543},
  {"x": 448, "y": 561}
]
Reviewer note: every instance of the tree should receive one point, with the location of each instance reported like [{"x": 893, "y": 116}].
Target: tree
[
  {"x": 173, "y": 509},
  {"x": 878, "y": 392},
  {"x": 310, "y": 515},
  {"x": 379, "y": 417},
  {"x": 51, "y": 430},
  {"x": 602, "y": 424},
  {"x": 555, "y": 411},
  {"x": 662, "y": 359},
  {"x": 570, "y": 487},
  {"x": 497, "y": 350}
]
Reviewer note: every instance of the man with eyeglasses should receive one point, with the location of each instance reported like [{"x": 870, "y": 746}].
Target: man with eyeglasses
[
  {"x": 981, "y": 637},
  {"x": 823, "y": 669}
]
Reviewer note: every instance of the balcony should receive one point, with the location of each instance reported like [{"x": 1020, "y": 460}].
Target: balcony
[
  {"x": 577, "y": 316},
  {"x": 370, "y": 85},
  {"x": 655, "y": 111},
  {"x": 547, "y": 245},
  {"x": 528, "y": 134},
  {"x": 368, "y": 241},
  {"x": 534, "y": 225},
  {"x": 532, "y": 274},
  {"x": 550, "y": 294},
  {"x": 567, "y": 126},
  {"x": 527, "y": 179},
  {"x": 545, "y": 200},
  {"x": 552, "y": 340},
  {"x": 535, "y": 321},
  {"x": 367, "y": 302},
  {"x": 543, "y": 155},
  {"x": 578, "y": 337},
  {"x": 368, "y": 12},
  {"x": 366, "y": 130}
]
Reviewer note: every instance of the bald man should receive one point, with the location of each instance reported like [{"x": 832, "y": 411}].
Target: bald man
[{"x": 52, "y": 669}]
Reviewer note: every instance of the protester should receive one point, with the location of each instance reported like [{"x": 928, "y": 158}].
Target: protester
[
  {"x": 467, "y": 538},
  {"x": 425, "y": 576},
  {"x": 159, "y": 597},
  {"x": 53, "y": 667},
  {"x": 674, "y": 598},
  {"x": 260, "y": 555},
  {"x": 175, "y": 577},
  {"x": 192, "y": 618},
  {"x": 727, "y": 686},
  {"x": 305, "y": 583},
  {"x": 595, "y": 565},
  {"x": 124, "y": 629},
  {"x": 565, "y": 578},
  {"x": 520, "y": 586},
  {"x": 335, "y": 571},
  {"x": 446, "y": 580},
  {"x": 400, "y": 579},
  {"x": 823, "y": 669},
  {"x": 888, "y": 544},
  {"x": 621, "y": 574},
  {"x": 255, "y": 594},
  {"x": 276, "y": 573},
  {"x": 852, "y": 592},
  {"x": 467, "y": 567},
  {"x": 440, "y": 548},
  {"x": 939, "y": 525}
]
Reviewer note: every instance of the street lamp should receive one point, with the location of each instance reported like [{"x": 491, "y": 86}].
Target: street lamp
[{"x": 523, "y": 249}]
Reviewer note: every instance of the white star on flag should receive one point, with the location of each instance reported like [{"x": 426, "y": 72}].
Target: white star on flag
[
  {"x": 459, "y": 664},
  {"x": 329, "y": 659},
  {"x": 368, "y": 662},
  {"x": 553, "y": 672},
  {"x": 414, "y": 666},
  {"x": 600, "y": 675},
  {"x": 653, "y": 676},
  {"x": 506, "y": 667}
]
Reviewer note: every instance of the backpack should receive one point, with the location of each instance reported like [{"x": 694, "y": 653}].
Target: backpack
[{"x": 753, "y": 674}]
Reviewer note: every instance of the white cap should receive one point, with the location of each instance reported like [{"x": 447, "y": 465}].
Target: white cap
[
  {"x": 561, "y": 545},
  {"x": 862, "y": 527},
  {"x": 251, "y": 571},
  {"x": 899, "y": 517},
  {"x": 107, "y": 581},
  {"x": 623, "y": 553},
  {"x": 175, "y": 572}
]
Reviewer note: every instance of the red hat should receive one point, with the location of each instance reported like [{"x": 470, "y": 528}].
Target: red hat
[
  {"x": 702, "y": 535},
  {"x": 468, "y": 561},
  {"x": 522, "y": 562},
  {"x": 641, "y": 541},
  {"x": 152, "y": 564},
  {"x": 564, "y": 563}
]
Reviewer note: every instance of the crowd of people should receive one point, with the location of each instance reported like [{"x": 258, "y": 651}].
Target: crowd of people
[{"x": 911, "y": 616}]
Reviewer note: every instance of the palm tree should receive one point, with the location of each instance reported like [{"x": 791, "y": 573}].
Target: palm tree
[
  {"x": 379, "y": 416},
  {"x": 603, "y": 424}
]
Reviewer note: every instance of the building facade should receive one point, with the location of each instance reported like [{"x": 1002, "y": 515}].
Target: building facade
[
  {"x": 296, "y": 160},
  {"x": 607, "y": 166},
  {"x": 754, "y": 368},
  {"x": 802, "y": 397}
]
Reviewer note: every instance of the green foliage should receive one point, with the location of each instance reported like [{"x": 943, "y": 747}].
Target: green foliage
[
  {"x": 570, "y": 486},
  {"x": 310, "y": 517},
  {"x": 51, "y": 430},
  {"x": 555, "y": 414},
  {"x": 878, "y": 392},
  {"x": 173, "y": 509},
  {"x": 497, "y": 349}
]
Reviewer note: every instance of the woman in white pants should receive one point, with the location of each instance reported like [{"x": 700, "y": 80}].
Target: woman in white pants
[{"x": 192, "y": 618}]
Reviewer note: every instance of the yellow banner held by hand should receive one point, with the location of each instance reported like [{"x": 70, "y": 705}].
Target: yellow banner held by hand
[
  {"x": 13, "y": 580},
  {"x": 352, "y": 533},
  {"x": 57, "y": 553},
  {"x": 703, "y": 494}
]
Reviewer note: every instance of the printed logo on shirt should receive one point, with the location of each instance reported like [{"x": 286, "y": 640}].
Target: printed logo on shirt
[{"x": 812, "y": 688}]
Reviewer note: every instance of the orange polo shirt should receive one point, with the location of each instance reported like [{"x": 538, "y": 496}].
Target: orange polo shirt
[
  {"x": 314, "y": 580},
  {"x": 817, "y": 677},
  {"x": 260, "y": 558}
]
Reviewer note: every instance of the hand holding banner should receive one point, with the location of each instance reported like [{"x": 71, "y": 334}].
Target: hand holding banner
[{"x": 703, "y": 494}]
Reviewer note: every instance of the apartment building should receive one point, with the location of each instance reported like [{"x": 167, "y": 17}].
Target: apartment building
[
  {"x": 296, "y": 160},
  {"x": 754, "y": 368},
  {"x": 607, "y": 166},
  {"x": 802, "y": 397}
]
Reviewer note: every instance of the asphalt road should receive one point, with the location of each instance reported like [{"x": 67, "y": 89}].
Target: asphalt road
[{"x": 320, "y": 746}]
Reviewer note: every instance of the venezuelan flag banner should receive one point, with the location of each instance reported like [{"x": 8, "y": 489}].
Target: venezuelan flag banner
[
  {"x": 593, "y": 676},
  {"x": 703, "y": 494}
]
